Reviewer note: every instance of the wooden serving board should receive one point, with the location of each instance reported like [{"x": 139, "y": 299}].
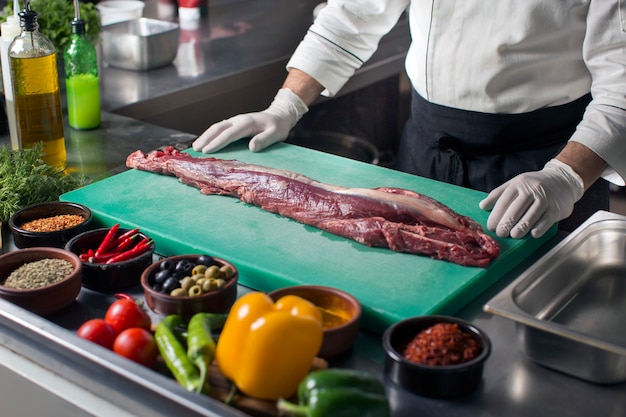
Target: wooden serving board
[{"x": 272, "y": 252}]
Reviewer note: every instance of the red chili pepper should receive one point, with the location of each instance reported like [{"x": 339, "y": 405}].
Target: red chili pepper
[
  {"x": 129, "y": 254},
  {"x": 108, "y": 240},
  {"x": 124, "y": 244},
  {"x": 125, "y": 236},
  {"x": 102, "y": 258}
]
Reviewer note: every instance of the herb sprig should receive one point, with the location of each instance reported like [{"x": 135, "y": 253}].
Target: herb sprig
[{"x": 25, "y": 180}]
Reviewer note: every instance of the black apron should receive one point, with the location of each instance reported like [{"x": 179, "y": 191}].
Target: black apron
[{"x": 483, "y": 150}]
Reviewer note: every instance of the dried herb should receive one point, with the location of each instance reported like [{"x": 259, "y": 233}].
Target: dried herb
[
  {"x": 39, "y": 274},
  {"x": 25, "y": 180}
]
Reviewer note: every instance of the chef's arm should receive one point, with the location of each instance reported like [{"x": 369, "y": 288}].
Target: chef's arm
[
  {"x": 533, "y": 201},
  {"x": 585, "y": 162},
  {"x": 303, "y": 85}
]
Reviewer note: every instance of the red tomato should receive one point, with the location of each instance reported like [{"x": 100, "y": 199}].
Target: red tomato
[
  {"x": 98, "y": 331},
  {"x": 126, "y": 313},
  {"x": 138, "y": 345}
]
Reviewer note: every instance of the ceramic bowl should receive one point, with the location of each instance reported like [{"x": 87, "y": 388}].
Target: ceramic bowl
[
  {"x": 215, "y": 301},
  {"x": 341, "y": 313},
  {"x": 57, "y": 239},
  {"x": 442, "y": 381},
  {"x": 44, "y": 300},
  {"x": 105, "y": 277}
]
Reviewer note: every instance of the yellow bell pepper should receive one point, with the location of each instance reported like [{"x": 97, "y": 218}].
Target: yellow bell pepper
[{"x": 267, "y": 348}]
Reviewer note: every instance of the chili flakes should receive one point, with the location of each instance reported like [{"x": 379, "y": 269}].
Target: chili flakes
[
  {"x": 442, "y": 344},
  {"x": 53, "y": 223}
]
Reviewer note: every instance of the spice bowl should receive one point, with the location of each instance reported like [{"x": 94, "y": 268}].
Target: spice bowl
[
  {"x": 436, "y": 373},
  {"x": 103, "y": 276},
  {"x": 49, "y": 224},
  {"x": 211, "y": 299},
  {"x": 341, "y": 314},
  {"x": 47, "y": 298}
]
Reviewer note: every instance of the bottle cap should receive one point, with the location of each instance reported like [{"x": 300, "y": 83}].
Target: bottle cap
[
  {"x": 189, "y": 13},
  {"x": 78, "y": 26}
]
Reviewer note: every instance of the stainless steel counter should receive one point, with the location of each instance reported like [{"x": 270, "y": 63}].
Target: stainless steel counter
[
  {"x": 44, "y": 366},
  {"x": 233, "y": 62}
]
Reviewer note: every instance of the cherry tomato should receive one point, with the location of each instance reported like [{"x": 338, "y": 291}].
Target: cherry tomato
[
  {"x": 138, "y": 345},
  {"x": 126, "y": 313},
  {"x": 98, "y": 331}
]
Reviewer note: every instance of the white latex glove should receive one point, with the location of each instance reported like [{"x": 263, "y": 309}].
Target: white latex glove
[
  {"x": 533, "y": 200},
  {"x": 266, "y": 127}
]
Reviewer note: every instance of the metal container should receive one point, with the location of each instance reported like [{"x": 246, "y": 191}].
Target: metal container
[
  {"x": 140, "y": 44},
  {"x": 570, "y": 306}
]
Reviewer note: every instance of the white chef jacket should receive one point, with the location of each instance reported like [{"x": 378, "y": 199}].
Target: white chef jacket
[{"x": 491, "y": 56}]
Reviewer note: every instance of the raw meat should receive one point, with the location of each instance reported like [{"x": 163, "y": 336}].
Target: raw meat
[{"x": 398, "y": 219}]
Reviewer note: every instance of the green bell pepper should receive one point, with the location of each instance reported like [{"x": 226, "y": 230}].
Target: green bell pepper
[{"x": 339, "y": 393}]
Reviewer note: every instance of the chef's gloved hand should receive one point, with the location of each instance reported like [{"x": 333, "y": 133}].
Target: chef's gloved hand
[
  {"x": 266, "y": 127},
  {"x": 533, "y": 201}
]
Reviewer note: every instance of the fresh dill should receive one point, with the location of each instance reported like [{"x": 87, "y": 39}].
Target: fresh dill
[{"x": 25, "y": 180}]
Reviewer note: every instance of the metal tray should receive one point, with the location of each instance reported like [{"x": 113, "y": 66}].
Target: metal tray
[{"x": 570, "y": 306}]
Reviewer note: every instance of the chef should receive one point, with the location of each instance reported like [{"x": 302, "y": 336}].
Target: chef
[{"x": 525, "y": 100}]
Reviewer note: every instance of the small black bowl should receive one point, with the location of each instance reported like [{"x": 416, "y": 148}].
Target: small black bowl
[
  {"x": 444, "y": 381},
  {"x": 104, "y": 277},
  {"x": 57, "y": 239}
]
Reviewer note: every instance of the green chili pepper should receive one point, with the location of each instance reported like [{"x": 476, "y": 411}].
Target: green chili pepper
[
  {"x": 174, "y": 354},
  {"x": 201, "y": 345},
  {"x": 338, "y": 393}
]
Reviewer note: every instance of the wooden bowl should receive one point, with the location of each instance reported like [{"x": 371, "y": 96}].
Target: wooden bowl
[
  {"x": 105, "y": 277},
  {"x": 44, "y": 300},
  {"x": 57, "y": 239},
  {"x": 215, "y": 301},
  {"x": 341, "y": 313}
]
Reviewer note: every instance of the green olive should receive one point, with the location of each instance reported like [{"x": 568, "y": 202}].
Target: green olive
[
  {"x": 194, "y": 291},
  {"x": 178, "y": 292},
  {"x": 201, "y": 280},
  {"x": 220, "y": 282},
  {"x": 187, "y": 283},
  {"x": 212, "y": 272},
  {"x": 198, "y": 270},
  {"x": 209, "y": 285},
  {"x": 227, "y": 271}
]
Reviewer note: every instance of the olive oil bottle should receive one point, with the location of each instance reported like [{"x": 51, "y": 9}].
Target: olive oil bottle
[{"x": 35, "y": 79}]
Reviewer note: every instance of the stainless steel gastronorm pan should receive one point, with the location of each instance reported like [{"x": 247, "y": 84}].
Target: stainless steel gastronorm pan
[
  {"x": 140, "y": 44},
  {"x": 570, "y": 306}
]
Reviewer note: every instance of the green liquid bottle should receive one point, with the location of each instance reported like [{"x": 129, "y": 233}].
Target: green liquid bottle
[
  {"x": 81, "y": 80},
  {"x": 32, "y": 59}
]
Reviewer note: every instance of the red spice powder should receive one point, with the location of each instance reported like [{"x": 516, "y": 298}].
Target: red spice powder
[{"x": 442, "y": 344}]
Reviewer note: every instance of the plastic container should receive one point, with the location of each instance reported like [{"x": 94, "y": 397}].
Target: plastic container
[
  {"x": 9, "y": 30},
  {"x": 114, "y": 11},
  {"x": 35, "y": 81},
  {"x": 81, "y": 80}
]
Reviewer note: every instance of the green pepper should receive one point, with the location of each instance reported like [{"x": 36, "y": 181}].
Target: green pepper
[
  {"x": 201, "y": 345},
  {"x": 338, "y": 393},
  {"x": 174, "y": 353}
]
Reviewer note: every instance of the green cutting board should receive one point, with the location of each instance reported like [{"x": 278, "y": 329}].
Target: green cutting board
[{"x": 271, "y": 251}]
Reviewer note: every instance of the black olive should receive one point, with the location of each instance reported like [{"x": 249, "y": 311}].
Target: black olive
[
  {"x": 184, "y": 266},
  {"x": 170, "y": 284},
  {"x": 206, "y": 260},
  {"x": 168, "y": 265},
  {"x": 161, "y": 276},
  {"x": 157, "y": 287}
]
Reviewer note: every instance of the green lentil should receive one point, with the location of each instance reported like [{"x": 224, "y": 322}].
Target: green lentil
[{"x": 39, "y": 274}]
